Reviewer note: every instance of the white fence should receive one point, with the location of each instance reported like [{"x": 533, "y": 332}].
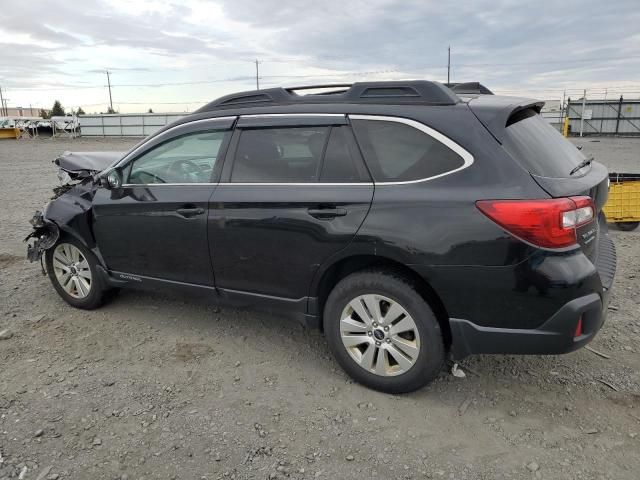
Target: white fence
[{"x": 125, "y": 125}]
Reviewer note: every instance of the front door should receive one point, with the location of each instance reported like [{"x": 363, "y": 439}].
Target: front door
[
  {"x": 294, "y": 191},
  {"x": 156, "y": 224}
]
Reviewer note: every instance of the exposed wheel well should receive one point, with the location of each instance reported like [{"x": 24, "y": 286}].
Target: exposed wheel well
[{"x": 353, "y": 264}]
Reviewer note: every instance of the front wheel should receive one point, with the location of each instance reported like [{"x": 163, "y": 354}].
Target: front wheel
[
  {"x": 383, "y": 333},
  {"x": 72, "y": 269}
]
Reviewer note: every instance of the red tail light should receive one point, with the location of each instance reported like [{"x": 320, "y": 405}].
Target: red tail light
[
  {"x": 547, "y": 223},
  {"x": 578, "y": 331}
]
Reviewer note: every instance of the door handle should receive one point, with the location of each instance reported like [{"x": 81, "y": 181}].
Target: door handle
[
  {"x": 327, "y": 213},
  {"x": 190, "y": 212}
]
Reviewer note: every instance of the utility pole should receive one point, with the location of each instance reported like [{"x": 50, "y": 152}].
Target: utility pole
[
  {"x": 257, "y": 75},
  {"x": 110, "y": 99},
  {"x": 449, "y": 64},
  {"x": 2, "y": 107}
]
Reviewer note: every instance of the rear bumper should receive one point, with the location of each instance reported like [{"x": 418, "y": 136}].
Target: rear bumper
[{"x": 555, "y": 336}]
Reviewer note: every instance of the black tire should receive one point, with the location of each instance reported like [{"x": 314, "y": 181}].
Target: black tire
[
  {"x": 431, "y": 356},
  {"x": 627, "y": 226},
  {"x": 98, "y": 293}
]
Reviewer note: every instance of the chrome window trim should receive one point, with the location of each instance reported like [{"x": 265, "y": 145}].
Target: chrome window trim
[
  {"x": 446, "y": 141},
  {"x": 131, "y": 185},
  {"x": 160, "y": 135},
  {"x": 296, "y": 184},
  {"x": 467, "y": 157},
  {"x": 247, "y": 184}
]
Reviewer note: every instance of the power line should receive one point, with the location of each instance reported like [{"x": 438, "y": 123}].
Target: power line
[{"x": 317, "y": 75}]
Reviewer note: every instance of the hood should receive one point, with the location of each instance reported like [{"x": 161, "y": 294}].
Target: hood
[{"x": 83, "y": 164}]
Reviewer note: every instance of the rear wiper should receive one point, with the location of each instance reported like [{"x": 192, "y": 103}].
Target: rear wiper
[{"x": 582, "y": 164}]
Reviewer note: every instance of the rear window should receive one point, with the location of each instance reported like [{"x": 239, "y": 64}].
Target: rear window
[
  {"x": 540, "y": 148},
  {"x": 397, "y": 152}
]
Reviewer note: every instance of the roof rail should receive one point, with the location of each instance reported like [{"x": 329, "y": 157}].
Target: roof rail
[
  {"x": 475, "y": 88},
  {"x": 395, "y": 92},
  {"x": 318, "y": 87}
]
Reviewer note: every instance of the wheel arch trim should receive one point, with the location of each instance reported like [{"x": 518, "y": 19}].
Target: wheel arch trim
[{"x": 331, "y": 273}]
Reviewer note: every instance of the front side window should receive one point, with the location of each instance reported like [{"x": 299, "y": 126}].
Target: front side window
[
  {"x": 397, "y": 152},
  {"x": 279, "y": 155},
  {"x": 189, "y": 158}
]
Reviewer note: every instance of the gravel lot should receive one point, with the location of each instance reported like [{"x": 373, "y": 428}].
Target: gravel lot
[{"x": 159, "y": 388}]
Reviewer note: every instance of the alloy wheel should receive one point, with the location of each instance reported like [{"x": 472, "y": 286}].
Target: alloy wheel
[
  {"x": 72, "y": 270},
  {"x": 379, "y": 335}
]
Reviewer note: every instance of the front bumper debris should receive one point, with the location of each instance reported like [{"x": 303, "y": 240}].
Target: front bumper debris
[{"x": 45, "y": 235}]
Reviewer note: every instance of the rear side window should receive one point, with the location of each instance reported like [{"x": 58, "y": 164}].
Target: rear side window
[
  {"x": 397, "y": 152},
  {"x": 279, "y": 155},
  {"x": 341, "y": 164},
  {"x": 540, "y": 148}
]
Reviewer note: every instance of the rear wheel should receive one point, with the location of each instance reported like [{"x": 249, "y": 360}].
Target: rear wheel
[
  {"x": 73, "y": 273},
  {"x": 383, "y": 333},
  {"x": 627, "y": 226}
]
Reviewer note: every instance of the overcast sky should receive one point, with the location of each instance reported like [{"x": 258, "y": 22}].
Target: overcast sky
[{"x": 174, "y": 55}]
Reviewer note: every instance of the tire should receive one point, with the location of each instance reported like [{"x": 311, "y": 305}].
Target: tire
[
  {"x": 413, "y": 337},
  {"x": 70, "y": 250},
  {"x": 627, "y": 226}
]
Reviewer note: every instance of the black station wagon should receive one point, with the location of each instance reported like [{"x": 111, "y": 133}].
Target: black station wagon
[{"x": 410, "y": 221}]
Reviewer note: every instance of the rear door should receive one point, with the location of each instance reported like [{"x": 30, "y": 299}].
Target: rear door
[{"x": 294, "y": 190}]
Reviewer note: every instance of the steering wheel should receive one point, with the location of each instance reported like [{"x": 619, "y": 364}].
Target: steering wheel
[{"x": 184, "y": 169}]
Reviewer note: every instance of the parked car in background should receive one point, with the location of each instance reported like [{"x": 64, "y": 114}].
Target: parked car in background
[{"x": 409, "y": 221}]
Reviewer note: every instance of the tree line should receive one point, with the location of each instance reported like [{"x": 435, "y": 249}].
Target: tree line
[{"x": 58, "y": 111}]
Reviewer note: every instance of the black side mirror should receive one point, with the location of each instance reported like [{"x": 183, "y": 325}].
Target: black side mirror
[{"x": 112, "y": 180}]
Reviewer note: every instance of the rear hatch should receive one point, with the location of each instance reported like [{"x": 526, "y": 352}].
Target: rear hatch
[{"x": 553, "y": 161}]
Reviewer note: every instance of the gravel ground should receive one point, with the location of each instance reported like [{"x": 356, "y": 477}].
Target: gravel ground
[{"x": 159, "y": 388}]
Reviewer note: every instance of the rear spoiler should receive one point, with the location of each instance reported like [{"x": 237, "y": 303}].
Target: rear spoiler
[{"x": 496, "y": 112}]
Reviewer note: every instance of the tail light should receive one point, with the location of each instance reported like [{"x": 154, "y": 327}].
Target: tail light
[
  {"x": 578, "y": 331},
  {"x": 547, "y": 223}
]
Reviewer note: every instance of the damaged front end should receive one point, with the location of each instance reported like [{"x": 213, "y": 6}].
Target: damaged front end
[
  {"x": 45, "y": 233},
  {"x": 70, "y": 207}
]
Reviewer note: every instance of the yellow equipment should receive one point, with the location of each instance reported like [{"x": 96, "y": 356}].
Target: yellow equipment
[
  {"x": 623, "y": 205},
  {"x": 9, "y": 132}
]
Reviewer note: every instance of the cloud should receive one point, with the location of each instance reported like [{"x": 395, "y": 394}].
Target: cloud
[{"x": 511, "y": 46}]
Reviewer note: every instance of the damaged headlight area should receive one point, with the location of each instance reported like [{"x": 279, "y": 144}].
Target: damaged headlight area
[{"x": 45, "y": 235}]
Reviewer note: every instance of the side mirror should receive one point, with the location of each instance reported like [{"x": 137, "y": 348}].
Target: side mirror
[{"x": 113, "y": 180}]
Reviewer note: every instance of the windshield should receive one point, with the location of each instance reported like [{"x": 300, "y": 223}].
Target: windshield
[{"x": 541, "y": 149}]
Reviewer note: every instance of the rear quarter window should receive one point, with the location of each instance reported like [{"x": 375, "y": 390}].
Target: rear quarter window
[
  {"x": 397, "y": 152},
  {"x": 540, "y": 148}
]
